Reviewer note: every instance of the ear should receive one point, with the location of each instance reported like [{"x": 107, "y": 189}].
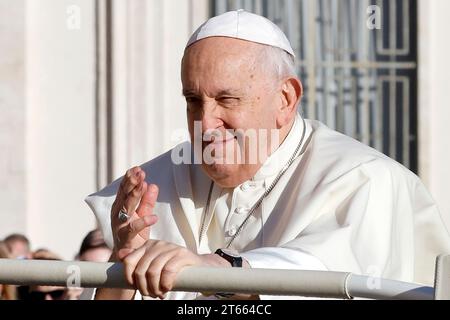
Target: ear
[{"x": 291, "y": 93}]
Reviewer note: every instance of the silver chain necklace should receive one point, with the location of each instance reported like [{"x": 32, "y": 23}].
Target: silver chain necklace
[{"x": 294, "y": 156}]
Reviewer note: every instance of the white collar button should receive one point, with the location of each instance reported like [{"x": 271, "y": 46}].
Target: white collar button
[
  {"x": 232, "y": 231},
  {"x": 248, "y": 185}
]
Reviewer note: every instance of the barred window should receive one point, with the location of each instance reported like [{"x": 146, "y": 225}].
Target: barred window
[{"x": 358, "y": 79}]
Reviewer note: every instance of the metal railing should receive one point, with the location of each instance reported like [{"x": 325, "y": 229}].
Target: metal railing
[{"x": 320, "y": 284}]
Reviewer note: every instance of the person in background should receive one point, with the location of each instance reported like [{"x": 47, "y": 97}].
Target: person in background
[
  {"x": 36, "y": 293},
  {"x": 93, "y": 248},
  {"x": 19, "y": 246},
  {"x": 7, "y": 292}
]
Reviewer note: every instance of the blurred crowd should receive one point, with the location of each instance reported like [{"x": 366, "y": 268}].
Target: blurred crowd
[{"x": 17, "y": 246}]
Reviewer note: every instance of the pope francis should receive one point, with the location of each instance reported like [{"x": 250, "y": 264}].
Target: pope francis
[{"x": 313, "y": 198}]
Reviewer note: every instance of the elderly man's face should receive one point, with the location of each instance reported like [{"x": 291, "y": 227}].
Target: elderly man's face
[{"x": 228, "y": 91}]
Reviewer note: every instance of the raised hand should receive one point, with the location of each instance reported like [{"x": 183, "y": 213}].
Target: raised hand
[{"x": 137, "y": 199}]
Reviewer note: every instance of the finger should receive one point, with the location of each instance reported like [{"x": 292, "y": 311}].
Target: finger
[
  {"x": 130, "y": 172},
  {"x": 148, "y": 201},
  {"x": 172, "y": 269},
  {"x": 132, "y": 179},
  {"x": 116, "y": 206},
  {"x": 122, "y": 193},
  {"x": 131, "y": 230},
  {"x": 130, "y": 262},
  {"x": 152, "y": 250},
  {"x": 142, "y": 269},
  {"x": 139, "y": 275},
  {"x": 133, "y": 198},
  {"x": 154, "y": 270}
]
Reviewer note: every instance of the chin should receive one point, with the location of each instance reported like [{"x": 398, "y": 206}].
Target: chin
[{"x": 225, "y": 175}]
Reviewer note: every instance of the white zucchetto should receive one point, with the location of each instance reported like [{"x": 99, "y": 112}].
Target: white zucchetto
[{"x": 245, "y": 26}]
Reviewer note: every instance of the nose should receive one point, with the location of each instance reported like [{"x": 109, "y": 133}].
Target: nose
[{"x": 211, "y": 118}]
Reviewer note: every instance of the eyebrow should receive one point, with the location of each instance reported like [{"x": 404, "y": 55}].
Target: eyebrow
[
  {"x": 229, "y": 92},
  {"x": 188, "y": 93},
  {"x": 226, "y": 92}
]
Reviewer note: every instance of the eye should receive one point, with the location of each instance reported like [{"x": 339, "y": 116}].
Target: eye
[
  {"x": 229, "y": 100},
  {"x": 191, "y": 99},
  {"x": 193, "y": 104}
]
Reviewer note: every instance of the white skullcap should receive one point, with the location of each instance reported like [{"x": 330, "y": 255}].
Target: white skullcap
[{"x": 243, "y": 25}]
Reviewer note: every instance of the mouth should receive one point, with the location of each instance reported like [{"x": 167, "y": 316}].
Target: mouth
[
  {"x": 218, "y": 139},
  {"x": 219, "y": 142}
]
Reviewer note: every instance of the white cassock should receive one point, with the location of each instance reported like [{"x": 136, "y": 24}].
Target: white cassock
[{"x": 341, "y": 206}]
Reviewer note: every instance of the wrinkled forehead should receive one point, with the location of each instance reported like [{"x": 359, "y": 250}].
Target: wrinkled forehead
[
  {"x": 217, "y": 50},
  {"x": 217, "y": 59}
]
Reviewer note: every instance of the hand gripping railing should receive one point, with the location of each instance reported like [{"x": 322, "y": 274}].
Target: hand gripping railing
[{"x": 320, "y": 284}]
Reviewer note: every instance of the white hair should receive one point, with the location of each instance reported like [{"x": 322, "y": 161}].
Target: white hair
[{"x": 278, "y": 62}]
